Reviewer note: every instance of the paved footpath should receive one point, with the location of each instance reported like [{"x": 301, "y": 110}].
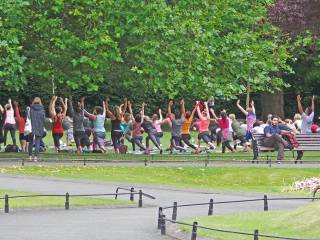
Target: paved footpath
[{"x": 109, "y": 224}]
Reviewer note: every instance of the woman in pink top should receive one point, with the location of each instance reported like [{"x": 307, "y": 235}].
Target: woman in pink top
[
  {"x": 9, "y": 123},
  {"x": 226, "y": 136},
  {"x": 203, "y": 125},
  {"x": 157, "y": 122}
]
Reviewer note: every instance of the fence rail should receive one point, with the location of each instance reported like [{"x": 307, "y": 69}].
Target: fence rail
[
  {"x": 162, "y": 219},
  {"x": 67, "y": 197}
]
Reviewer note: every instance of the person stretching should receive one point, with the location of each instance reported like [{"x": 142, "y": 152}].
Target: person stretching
[
  {"x": 185, "y": 130},
  {"x": 176, "y": 124},
  {"x": 226, "y": 136},
  {"x": 251, "y": 118},
  {"x": 203, "y": 125},
  {"x": 57, "y": 115}
]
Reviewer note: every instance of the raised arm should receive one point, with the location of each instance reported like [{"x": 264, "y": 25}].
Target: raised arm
[
  {"x": 300, "y": 109},
  {"x": 65, "y": 106},
  {"x": 160, "y": 115},
  {"x": 130, "y": 110},
  {"x": 52, "y": 105},
  {"x": 125, "y": 106},
  {"x": 109, "y": 113},
  {"x": 103, "y": 108},
  {"x": 252, "y": 106},
  {"x": 183, "y": 110},
  {"x": 193, "y": 112},
  {"x": 312, "y": 104},
  {"x": 16, "y": 109},
  {"x": 214, "y": 114},
  {"x": 142, "y": 112},
  {"x": 89, "y": 115},
  {"x": 207, "y": 109},
  {"x": 199, "y": 113},
  {"x": 10, "y": 103},
  {"x": 241, "y": 108},
  {"x": 169, "y": 108},
  {"x": 1, "y": 109}
]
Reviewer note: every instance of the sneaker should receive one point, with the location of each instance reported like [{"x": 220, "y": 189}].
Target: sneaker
[
  {"x": 30, "y": 158},
  {"x": 35, "y": 159},
  {"x": 278, "y": 162}
]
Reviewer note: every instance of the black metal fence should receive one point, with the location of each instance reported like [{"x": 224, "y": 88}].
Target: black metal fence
[
  {"x": 67, "y": 197},
  {"x": 162, "y": 219}
]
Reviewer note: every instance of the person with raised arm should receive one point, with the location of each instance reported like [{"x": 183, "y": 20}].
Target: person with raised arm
[
  {"x": 9, "y": 123},
  {"x": 80, "y": 137},
  {"x": 185, "y": 129},
  {"x": 307, "y": 117},
  {"x": 176, "y": 124},
  {"x": 151, "y": 132},
  {"x": 116, "y": 118},
  {"x": 157, "y": 122},
  {"x": 224, "y": 124},
  {"x": 137, "y": 120},
  {"x": 203, "y": 125},
  {"x": 251, "y": 118},
  {"x": 98, "y": 119},
  {"x": 57, "y": 115},
  {"x": 21, "y": 126}
]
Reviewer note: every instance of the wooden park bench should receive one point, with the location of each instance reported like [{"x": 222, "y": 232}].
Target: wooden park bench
[{"x": 307, "y": 142}]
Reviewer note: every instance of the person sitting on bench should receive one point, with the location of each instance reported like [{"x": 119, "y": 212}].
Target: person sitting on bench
[{"x": 273, "y": 138}]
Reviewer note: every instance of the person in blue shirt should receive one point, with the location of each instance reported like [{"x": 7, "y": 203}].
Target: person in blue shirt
[{"x": 273, "y": 138}]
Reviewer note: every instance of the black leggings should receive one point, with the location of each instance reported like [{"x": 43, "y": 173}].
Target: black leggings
[
  {"x": 12, "y": 129},
  {"x": 226, "y": 144},
  {"x": 115, "y": 137},
  {"x": 176, "y": 143},
  {"x": 56, "y": 139},
  {"x": 137, "y": 140},
  {"x": 152, "y": 135},
  {"x": 186, "y": 139}
]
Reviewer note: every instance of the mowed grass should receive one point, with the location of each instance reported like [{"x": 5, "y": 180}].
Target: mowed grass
[
  {"x": 33, "y": 202},
  {"x": 300, "y": 223},
  {"x": 266, "y": 180},
  {"x": 212, "y": 156}
]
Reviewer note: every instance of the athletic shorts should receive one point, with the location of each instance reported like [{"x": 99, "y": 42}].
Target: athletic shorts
[{"x": 23, "y": 137}]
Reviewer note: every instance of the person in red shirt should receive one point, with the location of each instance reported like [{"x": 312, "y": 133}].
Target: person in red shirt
[
  {"x": 21, "y": 124},
  {"x": 57, "y": 115},
  {"x": 224, "y": 124}
]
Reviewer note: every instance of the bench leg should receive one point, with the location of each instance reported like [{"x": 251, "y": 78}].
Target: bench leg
[
  {"x": 299, "y": 157},
  {"x": 255, "y": 151}
]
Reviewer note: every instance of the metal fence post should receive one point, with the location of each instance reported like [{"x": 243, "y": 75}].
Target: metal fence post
[
  {"x": 140, "y": 198},
  {"x": 131, "y": 194},
  {"x": 194, "y": 231},
  {"x": 210, "y": 212},
  {"x": 163, "y": 224},
  {"x": 159, "y": 218},
  {"x": 174, "y": 211},
  {"x": 6, "y": 203},
  {"x": 66, "y": 205},
  {"x": 265, "y": 203},
  {"x": 256, "y": 235}
]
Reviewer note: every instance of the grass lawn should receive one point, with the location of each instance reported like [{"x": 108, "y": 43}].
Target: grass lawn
[
  {"x": 300, "y": 223},
  {"x": 217, "y": 155},
  {"x": 264, "y": 180},
  {"x": 56, "y": 201}
]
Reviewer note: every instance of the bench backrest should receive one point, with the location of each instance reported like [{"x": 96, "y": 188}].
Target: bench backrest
[{"x": 305, "y": 141}]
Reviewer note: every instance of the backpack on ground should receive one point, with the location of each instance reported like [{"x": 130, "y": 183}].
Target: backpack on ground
[
  {"x": 123, "y": 149},
  {"x": 11, "y": 148}
]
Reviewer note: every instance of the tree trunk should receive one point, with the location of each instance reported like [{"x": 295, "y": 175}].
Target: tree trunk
[{"x": 272, "y": 103}]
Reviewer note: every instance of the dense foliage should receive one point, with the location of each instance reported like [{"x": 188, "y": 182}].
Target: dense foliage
[{"x": 147, "y": 50}]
